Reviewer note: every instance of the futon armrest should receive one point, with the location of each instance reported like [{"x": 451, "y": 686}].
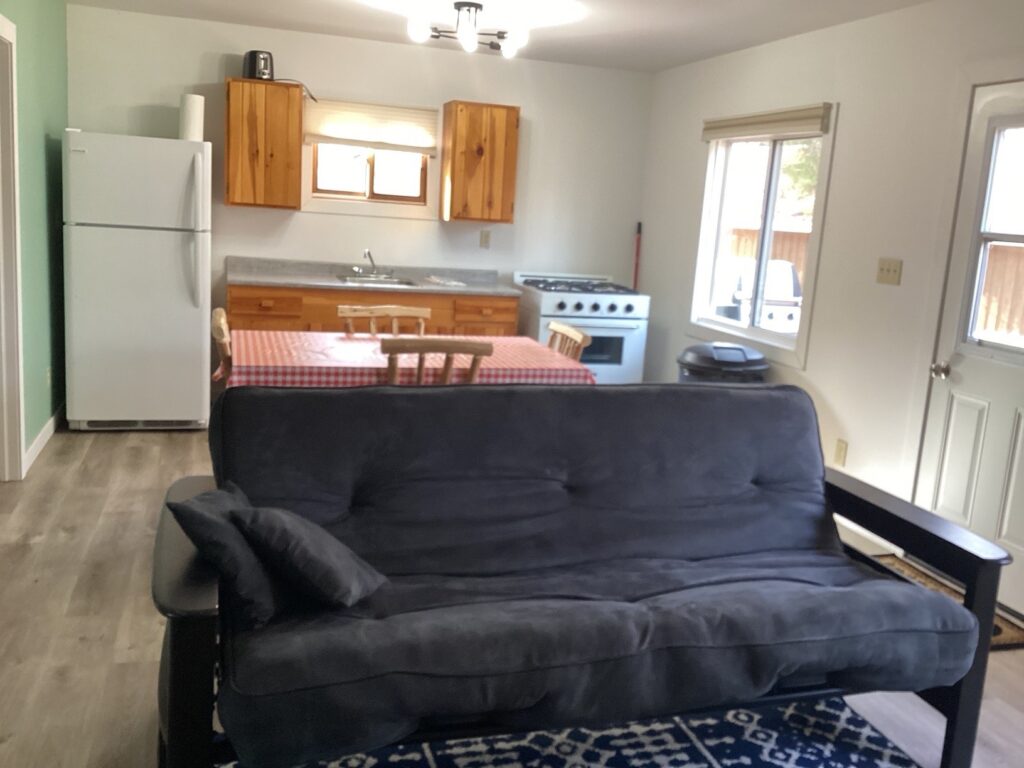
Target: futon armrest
[
  {"x": 953, "y": 550},
  {"x": 183, "y": 585}
]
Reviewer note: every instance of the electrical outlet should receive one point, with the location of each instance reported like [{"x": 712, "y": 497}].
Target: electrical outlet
[
  {"x": 890, "y": 271},
  {"x": 839, "y": 457},
  {"x": 485, "y": 238},
  {"x": 49, "y": 377}
]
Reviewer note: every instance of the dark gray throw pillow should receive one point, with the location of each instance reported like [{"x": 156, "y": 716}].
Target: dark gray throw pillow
[
  {"x": 308, "y": 557},
  {"x": 206, "y": 520}
]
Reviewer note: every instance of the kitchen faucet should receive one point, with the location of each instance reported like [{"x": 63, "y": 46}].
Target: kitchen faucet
[
  {"x": 373, "y": 264},
  {"x": 374, "y": 271}
]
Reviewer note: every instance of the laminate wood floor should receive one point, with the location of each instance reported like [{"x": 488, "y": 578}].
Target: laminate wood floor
[{"x": 80, "y": 639}]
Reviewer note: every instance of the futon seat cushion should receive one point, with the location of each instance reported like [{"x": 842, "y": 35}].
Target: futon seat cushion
[{"x": 591, "y": 643}]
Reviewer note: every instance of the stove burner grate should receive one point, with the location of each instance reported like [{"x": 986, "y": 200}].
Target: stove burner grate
[{"x": 577, "y": 286}]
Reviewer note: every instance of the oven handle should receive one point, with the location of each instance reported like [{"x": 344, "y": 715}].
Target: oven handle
[{"x": 609, "y": 326}]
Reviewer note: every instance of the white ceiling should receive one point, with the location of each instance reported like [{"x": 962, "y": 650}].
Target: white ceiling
[{"x": 650, "y": 35}]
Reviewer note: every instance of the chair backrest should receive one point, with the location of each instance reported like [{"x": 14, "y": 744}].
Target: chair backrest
[
  {"x": 387, "y": 311},
  {"x": 222, "y": 337},
  {"x": 567, "y": 340},
  {"x": 423, "y": 347}
]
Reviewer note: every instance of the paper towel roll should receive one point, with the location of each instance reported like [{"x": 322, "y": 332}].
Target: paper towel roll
[{"x": 190, "y": 119}]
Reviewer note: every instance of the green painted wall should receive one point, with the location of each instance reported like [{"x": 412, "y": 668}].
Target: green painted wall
[{"x": 42, "y": 117}]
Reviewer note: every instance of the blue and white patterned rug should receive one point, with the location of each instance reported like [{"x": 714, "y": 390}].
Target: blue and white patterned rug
[{"x": 808, "y": 734}]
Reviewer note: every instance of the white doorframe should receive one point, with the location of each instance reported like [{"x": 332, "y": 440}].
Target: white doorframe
[{"x": 12, "y": 426}]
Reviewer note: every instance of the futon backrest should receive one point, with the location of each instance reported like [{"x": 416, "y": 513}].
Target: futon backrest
[{"x": 478, "y": 480}]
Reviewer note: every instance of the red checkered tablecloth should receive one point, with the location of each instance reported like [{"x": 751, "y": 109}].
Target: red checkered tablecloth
[{"x": 300, "y": 359}]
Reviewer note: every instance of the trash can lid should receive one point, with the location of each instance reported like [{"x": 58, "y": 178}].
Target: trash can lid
[{"x": 722, "y": 356}]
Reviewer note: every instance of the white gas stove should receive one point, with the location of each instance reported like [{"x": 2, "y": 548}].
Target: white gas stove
[{"x": 615, "y": 317}]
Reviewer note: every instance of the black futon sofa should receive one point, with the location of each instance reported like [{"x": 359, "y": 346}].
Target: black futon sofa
[{"x": 556, "y": 556}]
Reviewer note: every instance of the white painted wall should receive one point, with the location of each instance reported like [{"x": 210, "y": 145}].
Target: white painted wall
[
  {"x": 902, "y": 80},
  {"x": 903, "y": 83},
  {"x": 580, "y": 161}
]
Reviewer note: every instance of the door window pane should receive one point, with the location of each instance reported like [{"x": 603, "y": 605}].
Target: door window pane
[
  {"x": 341, "y": 168},
  {"x": 739, "y": 237},
  {"x": 999, "y": 310},
  {"x": 1005, "y": 211},
  {"x": 397, "y": 174}
]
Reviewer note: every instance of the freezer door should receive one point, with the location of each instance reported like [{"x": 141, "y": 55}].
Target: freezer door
[
  {"x": 137, "y": 324},
  {"x": 134, "y": 181}
]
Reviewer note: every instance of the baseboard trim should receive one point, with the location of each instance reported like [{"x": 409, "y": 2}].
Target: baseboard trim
[{"x": 33, "y": 451}]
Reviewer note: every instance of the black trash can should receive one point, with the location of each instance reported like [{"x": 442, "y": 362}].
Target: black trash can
[{"x": 721, "y": 362}]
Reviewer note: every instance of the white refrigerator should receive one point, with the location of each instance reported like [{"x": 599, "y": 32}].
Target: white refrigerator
[{"x": 136, "y": 281}]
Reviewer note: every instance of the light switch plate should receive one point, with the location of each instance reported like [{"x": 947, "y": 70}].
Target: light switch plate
[
  {"x": 890, "y": 271},
  {"x": 839, "y": 458}
]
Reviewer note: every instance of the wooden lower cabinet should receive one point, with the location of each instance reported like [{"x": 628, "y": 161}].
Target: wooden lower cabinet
[{"x": 253, "y": 307}]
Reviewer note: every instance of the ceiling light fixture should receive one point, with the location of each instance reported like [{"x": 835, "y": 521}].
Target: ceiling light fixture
[
  {"x": 468, "y": 33},
  {"x": 504, "y": 26}
]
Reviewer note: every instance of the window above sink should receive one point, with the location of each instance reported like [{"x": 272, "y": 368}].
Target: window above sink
[{"x": 370, "y": 160}]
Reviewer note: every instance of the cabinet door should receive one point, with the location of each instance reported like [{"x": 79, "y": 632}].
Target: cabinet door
[
  {"x": 481, "y": 146},
  {"x": 483, "y": 309},
  {"x": 264, "y": 144}
]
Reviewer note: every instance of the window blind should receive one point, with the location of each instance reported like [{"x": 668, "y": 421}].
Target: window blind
[
  {"x": 812, "y": 120},
  {"x": 371, "y": 125}
]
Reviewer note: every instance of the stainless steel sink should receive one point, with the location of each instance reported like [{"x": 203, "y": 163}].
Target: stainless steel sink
[{"x": 370, "y": 279}]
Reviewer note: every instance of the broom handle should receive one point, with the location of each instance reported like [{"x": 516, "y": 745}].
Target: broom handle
[{"x": 636, "y": 255}]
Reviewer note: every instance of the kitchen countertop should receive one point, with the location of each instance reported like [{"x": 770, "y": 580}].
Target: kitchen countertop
[{"x": 283, "y": 273}]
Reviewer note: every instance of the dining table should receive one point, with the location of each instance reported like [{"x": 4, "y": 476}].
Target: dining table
[{"x": 316, "y": 359}]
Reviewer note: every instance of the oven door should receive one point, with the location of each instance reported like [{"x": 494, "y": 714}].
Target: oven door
[{"x": 616, "y": 352}]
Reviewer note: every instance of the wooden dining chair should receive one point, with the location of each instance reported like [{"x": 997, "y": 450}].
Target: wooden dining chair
[
  {"x": 386, "y": 311},
  {"x": 567, "y": 340},
  {"x": 423, "y": 347},
  {"x": 222, "y": 337}
]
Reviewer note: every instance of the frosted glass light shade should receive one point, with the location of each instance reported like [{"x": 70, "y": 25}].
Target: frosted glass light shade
[{"x": 419, "y": 30}]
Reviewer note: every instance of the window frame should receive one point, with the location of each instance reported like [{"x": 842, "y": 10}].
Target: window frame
[
  {"x": 354, "y": 206},
  {"x": 980, "y": 240},
  {"x": 369, "y": 195},
  {"x": 779, "y": 347}
]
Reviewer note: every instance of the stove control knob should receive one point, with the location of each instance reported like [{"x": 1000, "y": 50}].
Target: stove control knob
[
  {"x": 578, "y": 306},
  {"x": 613, "y": 307},
  {"x": 595, "y": 307},
  {"x": 561, "y": 306},
  {"x": 629, "y": 308}
]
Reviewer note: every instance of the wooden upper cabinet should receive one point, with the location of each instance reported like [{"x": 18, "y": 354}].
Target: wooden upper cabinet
[
  {"x": 480, "y": 146},
  {"x": 264, "y": 143}
]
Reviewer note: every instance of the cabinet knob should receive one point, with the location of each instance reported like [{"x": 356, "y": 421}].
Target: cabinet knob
[{"x": 266, "y": 303}]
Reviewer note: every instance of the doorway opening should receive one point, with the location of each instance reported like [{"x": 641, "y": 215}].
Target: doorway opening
[{"x": 11, "y": 407}]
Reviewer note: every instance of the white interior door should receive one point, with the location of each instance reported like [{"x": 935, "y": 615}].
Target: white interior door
[
  {"x": 137, "y": 317},
  {"x": 972, "y": 462}
]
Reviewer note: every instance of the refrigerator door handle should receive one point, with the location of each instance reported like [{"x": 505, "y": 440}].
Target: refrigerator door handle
[
  {"x": 197, "y": 202},
  {"x": 197, "y": 190},
  {"x": 196, "y": 259}
]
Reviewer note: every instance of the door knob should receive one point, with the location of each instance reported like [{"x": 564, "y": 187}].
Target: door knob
[{"x": 941, "y": 370}]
